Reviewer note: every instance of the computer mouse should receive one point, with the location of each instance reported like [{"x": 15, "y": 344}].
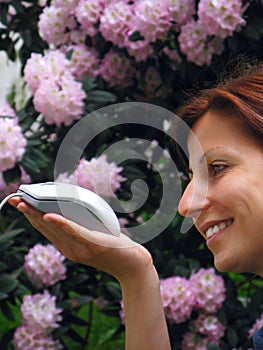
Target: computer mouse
[{"x": 75, "y": 203}]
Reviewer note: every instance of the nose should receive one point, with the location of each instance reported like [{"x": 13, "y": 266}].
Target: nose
[{"x": 194, "y": 200}]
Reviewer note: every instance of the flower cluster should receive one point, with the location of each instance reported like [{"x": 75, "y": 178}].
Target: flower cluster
[
  {"x": 57, "y": 95},
  {"x": 12, "y": 140},
  {"x": 40, "y": 317},
  {"x": 209, "y": 290},
  {"x": 135, "y": 26},
  {"x": 258, "y": 324},
  {"x": 221, "y": 18},
  {"x": 97, "y": 175},
  {"x": 44, "y": 265},
  {"x": 178, "y": 298},
  {"x": 208, "y": 327},
  {"x": 203, "y": 292}
]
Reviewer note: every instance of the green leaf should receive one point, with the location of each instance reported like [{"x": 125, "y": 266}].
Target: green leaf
[
  {"x": 8, "y": 336},
  {"x": 101, "y": 97},
  {"x": 114, "y": 289},
  {"x": 7, "y": 311},
  {"x": 250, "y": 33},
  {"x": 12, "y": 175},
  {"x": 69, "y": 54},
  {"x": 211, "y": 346},
  {"x": 3, "y": 295},
  {"x": 77, "y": 320},
  {"x": 232, "y": 337},
  {"x": 27, "y": 37},
  {"x": 89, "y": 84},
  {"x": 258, "y": 25},
  {"x": 6, "y": 237},
  {"x": 7, "y": 283},
  {"x": 136, "y": 36},
  {"x": 3, "y": 266},
  {"x": 3, "y": 14},
  {"x": 18, "y": 6},
  {"x": 82, "y": 300}
]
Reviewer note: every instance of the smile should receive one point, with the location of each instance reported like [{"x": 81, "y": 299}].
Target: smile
[{"x": 216, "y": 228}]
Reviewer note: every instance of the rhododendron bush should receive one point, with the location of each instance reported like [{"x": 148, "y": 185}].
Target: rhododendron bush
[{"x": 77, "y": 56}]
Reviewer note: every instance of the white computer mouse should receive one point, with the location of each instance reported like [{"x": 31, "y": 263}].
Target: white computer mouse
[{"x": 75, "y": 203}]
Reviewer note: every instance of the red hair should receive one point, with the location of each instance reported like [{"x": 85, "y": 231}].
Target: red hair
[{"x": 244, "y": 94}]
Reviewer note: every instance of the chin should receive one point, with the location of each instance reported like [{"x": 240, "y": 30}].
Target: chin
[{"x": 226, "y": 265}]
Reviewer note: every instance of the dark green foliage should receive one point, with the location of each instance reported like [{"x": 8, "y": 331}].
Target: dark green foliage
[{"x": 85, "y": 325}]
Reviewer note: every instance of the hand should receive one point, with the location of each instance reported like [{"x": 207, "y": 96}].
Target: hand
[{"x": 119, "y": 256}]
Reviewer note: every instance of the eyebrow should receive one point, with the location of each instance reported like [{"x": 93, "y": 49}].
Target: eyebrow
[
  {"x": 203, "y": 157},
  {"x": 211, "y": 150}
]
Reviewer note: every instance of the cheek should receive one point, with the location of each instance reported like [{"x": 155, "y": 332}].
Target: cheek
[{"x": 232, "y": 193}]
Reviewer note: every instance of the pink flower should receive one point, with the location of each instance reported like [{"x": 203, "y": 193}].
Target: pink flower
[
  {"x": 97, "y": 175},
  {"x": 51, "y": 66},
  {"x": 181, "y": 11},
  {"x": 258, "y": 324},
  {"x": 44, "y": 265},
  {"x": 178, "y": 298},
  {"x": 140, "y": 49},
  {"x": 84, "y": 61},
  {"x": 192, "y": 41},
  {"x": 122, "y": 314},
  {"x": 88, "y": 13},
  {"x": 25, "y": 339},
  {"x": 100, "y": 176},
  {"x": 57, "y": 95},
  {"x": 152, "y": 19},
  {"x": 67, "y": 5},
  {"x": 117, "y": 69},
  {"x": 193, "y": 342},
  {"x": 6, "y": 110},
  {"x": 152, "y": 81},
  {"x": 116, "y": 22},
  {"x": 221, "y": 17},
  {"x": 55, "y": 23},
  {"x": 209, "y": 289},
  {"x": 60, "y": 102},
  {"x": 172, "y": 54},
  {"x": 12, "y": 141},
  {"x": 77, "y": 36},
  {"x": 208, "y": 326},
  {"x": 39, "y": 312}
]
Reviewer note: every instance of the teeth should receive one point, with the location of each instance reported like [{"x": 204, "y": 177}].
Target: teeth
[{"x": 213, "y": 229}]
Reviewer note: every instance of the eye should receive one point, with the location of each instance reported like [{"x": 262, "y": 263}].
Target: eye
[{"x": 216, "y": 169}]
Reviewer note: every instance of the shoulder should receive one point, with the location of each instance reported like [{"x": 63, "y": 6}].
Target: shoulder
[{"x": 258, "y": 339}]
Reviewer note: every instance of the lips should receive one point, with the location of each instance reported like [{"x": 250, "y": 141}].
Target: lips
[{"x": 212, "y": 227}]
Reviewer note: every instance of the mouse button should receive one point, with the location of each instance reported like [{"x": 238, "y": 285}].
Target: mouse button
[
  {"x": 66, "y": 192},
  {"x": 91, "y": 200},
  {"x": 33, "y": 190}
]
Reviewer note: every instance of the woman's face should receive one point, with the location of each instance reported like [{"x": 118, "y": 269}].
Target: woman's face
[{"x": 225, "y": 194}]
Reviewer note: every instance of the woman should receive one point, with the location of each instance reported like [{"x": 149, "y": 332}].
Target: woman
[{"x": 228, "y": 122}]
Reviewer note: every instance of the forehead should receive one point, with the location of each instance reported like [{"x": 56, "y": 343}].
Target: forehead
[
  {"x": 216, "y": 129},
  {"x": 217, "y": 126}
]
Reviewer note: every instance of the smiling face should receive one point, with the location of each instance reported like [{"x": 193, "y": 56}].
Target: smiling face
[{"x": 225, "y": 194}]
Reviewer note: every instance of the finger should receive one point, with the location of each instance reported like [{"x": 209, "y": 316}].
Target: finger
[
  {"x": 14, "y": 201},
  {"x": 25, "y": 208}
]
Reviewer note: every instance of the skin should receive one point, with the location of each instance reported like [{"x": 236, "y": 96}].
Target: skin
[
  {"x": 130, "y": 264},
  {"x": 231, "y": 191}
]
